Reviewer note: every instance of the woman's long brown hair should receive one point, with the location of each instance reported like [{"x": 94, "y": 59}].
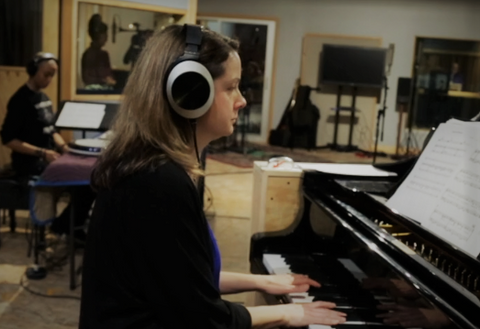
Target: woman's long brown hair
[{"x": 147, "y": 132}]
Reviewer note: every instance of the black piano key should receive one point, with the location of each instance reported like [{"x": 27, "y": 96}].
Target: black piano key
[
  {"x": 333, "y": 277},
  {"x": 339, "y": 289},
  {"x": 344, "y": 301},
  {"x": 318, "y": 292},
  {"x": 369, "y": 315}
]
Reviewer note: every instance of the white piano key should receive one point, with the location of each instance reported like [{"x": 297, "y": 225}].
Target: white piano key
[
  {"x": 300, "y": 297},
  {"x": 275, "y": 264},
  {"x": 363, "y": 323},
  {"x": 319, "y": 326},
  {"x": 302, "y": 300},
  {"x": 298, "y": 294},
  {"x": 282, "y": 270},
  {"x": 272, "y": 262},
  {"x": 273, "y": 259}
]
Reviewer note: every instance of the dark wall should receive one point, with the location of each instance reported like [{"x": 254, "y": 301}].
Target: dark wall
[{"x": 20, "y": 31}]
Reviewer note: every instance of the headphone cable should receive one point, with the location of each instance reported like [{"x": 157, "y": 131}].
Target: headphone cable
[{"x": 193, "y": 124}]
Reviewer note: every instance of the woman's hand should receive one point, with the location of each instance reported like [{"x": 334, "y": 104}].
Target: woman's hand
[
  {"x": 110, "y": 81},
  {"x": 51, "y": 156},
  {"x": 299, "y": 315},
  {"x": 295, "y": 315},
  {"x": 280, "y": 284}
]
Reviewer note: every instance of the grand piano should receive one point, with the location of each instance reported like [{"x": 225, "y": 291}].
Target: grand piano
[{"x": 370, "y": 260}]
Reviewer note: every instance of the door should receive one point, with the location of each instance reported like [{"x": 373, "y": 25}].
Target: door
[{"x": 256, "y": 52}]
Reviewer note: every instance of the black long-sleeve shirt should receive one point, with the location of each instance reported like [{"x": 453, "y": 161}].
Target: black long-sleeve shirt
[{"x": 149, "y": 258}]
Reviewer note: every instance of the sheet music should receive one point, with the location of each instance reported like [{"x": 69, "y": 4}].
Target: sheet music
[
  {"x": 443, "y": 190},
  {"x": 346, "y": 169},
  {"x": 81, "y": 115}
]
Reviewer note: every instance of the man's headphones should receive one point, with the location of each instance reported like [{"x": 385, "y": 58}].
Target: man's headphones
[
  {"x": 32, "y": 65},
  {"x": 189, "y": 85}
]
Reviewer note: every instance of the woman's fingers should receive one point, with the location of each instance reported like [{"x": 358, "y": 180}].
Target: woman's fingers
[
  {"x": 314, "y": 313},
  {"x": 304, "y": 279},
  {"x": 322, "y": 304},
  {"x": 299, "y": 288},
  {"x": 326, "y": 316}
]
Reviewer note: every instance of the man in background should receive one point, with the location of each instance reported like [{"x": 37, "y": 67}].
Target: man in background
[{"x": 29, "y": 131}]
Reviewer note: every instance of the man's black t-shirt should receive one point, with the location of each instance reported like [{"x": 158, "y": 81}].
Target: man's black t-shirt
[{"x": 29, "y": 119}]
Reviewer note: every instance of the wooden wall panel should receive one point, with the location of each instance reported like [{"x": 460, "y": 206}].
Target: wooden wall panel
[
  {"x": 50, "y": 38},
  {"x": 11, "y": 78},
  {"x": 191, "y": 16}
]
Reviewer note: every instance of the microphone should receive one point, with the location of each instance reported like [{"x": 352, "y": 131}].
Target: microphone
[
  {"x": 114, "y": 29},
  {"x": 390, "y": 53}
]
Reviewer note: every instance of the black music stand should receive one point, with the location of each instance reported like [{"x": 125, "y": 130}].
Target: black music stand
[
  {"x": 380, "y": 116},
  {"x": 334, "y": 145}
]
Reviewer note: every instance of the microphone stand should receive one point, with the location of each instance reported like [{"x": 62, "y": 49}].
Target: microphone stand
[{"x": 381, "y": 115}]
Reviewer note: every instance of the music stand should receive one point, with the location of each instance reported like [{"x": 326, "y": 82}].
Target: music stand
[
  {"x": 334, "y": 145},
  {"x": 86, "y": 116}
]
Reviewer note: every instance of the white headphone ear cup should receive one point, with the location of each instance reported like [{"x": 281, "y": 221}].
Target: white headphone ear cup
[{"x": 190, "y": 89}]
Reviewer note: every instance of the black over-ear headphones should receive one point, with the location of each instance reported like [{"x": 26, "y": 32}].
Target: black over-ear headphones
[
  {"x": 188, "y": 84},
  {"x": 32, "y": 65}
]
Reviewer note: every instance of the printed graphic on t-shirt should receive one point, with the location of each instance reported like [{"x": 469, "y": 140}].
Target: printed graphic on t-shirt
[
  {"x": 48, "y": 130},
  {"x": 43, "y": 104},
  {"x": 45, "y": 115}
]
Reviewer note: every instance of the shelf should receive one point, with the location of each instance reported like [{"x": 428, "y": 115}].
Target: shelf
[
  {"x": 464, "y": 94},
  {"x": 343, "y": 108},
  {"x": 454, "y": 93},
  {"x": 450, "y": 52}
]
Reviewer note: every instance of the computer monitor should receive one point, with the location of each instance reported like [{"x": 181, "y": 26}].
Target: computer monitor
[{"x": 352, "y": 66}]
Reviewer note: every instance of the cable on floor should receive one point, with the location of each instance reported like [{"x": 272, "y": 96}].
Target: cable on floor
[{"x": 33, "y": 292}]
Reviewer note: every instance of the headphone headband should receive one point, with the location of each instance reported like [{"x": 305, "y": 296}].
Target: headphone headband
[
  {"x": 43, "y": 56},
  {"x": 193, "y": 41},
  {"x": 32, "y": 66}
]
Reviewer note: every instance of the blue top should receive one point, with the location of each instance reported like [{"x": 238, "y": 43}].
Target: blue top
[{"x": 217, "y": 260}]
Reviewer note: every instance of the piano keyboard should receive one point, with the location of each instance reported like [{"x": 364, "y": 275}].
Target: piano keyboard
[{"x": 340, "y": 281}]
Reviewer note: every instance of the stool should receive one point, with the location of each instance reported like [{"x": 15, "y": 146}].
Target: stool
[{"x": 14, "y": 195}]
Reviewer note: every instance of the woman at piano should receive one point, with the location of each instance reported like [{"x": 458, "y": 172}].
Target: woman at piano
[{"x": 151, "y": 259}]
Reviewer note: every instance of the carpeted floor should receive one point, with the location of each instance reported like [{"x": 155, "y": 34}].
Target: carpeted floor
[{"x": 257, "y": 152}]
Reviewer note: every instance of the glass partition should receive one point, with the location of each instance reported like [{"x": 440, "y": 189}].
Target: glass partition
[
  {"x": 447, "y": 81},
  {"x": 257, "y": 40},
  {"x": 109, "y": 42}
]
